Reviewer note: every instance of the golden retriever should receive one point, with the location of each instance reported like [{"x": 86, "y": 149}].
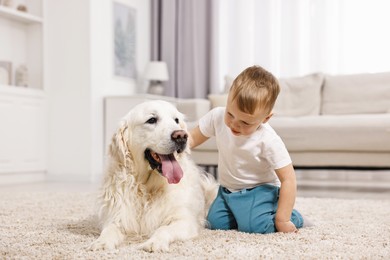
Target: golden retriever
[{"x": 152, "y": 189}]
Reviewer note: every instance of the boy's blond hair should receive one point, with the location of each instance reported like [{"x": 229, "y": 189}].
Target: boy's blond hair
[{"x": 255, "y": 88}]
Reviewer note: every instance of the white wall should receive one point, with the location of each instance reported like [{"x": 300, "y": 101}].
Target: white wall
[{"x": 78, "y": 76}]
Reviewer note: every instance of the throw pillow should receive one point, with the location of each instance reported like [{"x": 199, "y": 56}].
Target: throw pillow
[
  {"x": 356, "y": 94},
  {"x": 299, "y": 96}
]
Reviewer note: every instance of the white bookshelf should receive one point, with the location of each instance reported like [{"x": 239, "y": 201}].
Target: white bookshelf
[
  {"x": 19, "y": 16},
  {"x": 23, "y": 109},
  {"x": 22, "y": 40},
  {"x": 21, "y": 91}
]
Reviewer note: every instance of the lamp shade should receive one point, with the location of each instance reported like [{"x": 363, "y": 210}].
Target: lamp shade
[{"x": 156, "y": 70}]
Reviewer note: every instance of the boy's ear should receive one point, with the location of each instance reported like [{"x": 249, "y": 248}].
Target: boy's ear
[{"x": 267, "y": 118}]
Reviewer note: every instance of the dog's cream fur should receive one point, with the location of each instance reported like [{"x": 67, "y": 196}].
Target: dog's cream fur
[{"x": 136, "y": 201}]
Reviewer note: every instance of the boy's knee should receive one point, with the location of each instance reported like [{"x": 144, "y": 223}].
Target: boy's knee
[
  {"x": 261, "y": 226},
  {"x": 217, "y": 226},
  {"x": 215, "y": 222},
  {"x": 267, "y": 227}
]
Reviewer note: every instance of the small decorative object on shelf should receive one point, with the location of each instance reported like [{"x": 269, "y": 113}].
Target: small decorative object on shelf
[
  {"x": 21, "y": 76},
  {"x": 7, "y": 3},
  {"x": 156, "y": 72},
  {"x": 22, "y": 8},
  {"x": 5, "y": 72}
]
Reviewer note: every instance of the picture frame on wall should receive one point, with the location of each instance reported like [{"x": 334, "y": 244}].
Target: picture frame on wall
[
  {"x": 5, "y": 73},
  {"x": 124, "y": 28}
]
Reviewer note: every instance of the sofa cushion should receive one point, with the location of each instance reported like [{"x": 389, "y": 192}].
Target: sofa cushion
[
  {"x": 365, "y": 132},
  {"x": 299, "y": 96},
  {"x": 218, "y": 100},
  {"x": 193, "y": 108},
  {"x": 356, "y": 94}
]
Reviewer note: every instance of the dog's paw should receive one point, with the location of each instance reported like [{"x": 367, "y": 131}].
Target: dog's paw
[
  {"x": 110, "y": 238},
  {"x": 153, "y": 245},
  {"x": 99, "y": 244}
]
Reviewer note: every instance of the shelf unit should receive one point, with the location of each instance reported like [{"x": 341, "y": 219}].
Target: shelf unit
[
  {"x": 23, "y": 110},
  {"x": 22, "y": 41},
  {"x": 19, "y": 16}
]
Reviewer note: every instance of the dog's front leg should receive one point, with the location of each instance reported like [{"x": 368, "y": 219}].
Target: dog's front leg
[
  {"x": 163, "y": 236},
  {"x": 110, "y": 238}
]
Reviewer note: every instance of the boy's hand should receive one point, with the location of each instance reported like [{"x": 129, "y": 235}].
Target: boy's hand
[{"x": 285, "y": 226}]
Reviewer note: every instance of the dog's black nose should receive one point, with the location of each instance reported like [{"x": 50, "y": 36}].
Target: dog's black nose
[{"x": 180, "y": 138}]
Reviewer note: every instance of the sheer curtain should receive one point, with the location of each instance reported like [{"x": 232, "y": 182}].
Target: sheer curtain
[
  {"x": 297, "y": 37},
  {"x": 202, "y": 41}
]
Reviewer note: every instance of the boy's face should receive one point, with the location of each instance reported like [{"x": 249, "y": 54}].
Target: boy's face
[{"x": 241, "y": 123}]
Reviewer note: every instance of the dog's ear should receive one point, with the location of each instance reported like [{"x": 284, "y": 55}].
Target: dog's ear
[{"x": 119, "y": 146}]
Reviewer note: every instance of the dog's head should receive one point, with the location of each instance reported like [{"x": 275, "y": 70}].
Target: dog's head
[{"x": 153, "y": 134}]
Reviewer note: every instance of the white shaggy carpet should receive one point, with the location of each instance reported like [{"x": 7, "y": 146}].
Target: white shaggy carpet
[{"x": 43, "y": 225}]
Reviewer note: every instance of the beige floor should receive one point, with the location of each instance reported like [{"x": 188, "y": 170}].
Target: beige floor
[
  {"x": 343, "y": 193},
  {"x": 52, "y": 187},
  {"x": 346, "y": 184},
  {"x": 305, "y": 191}
]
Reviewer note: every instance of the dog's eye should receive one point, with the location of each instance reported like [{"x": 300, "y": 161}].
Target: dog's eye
[
  {"x": 152, "y": 120},
  {"x": 177, "y": 120}
]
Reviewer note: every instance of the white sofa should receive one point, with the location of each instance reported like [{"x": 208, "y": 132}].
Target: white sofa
[{"x": 325, "y": 121}]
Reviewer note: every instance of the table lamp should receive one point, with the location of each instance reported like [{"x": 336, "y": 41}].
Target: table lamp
[{"x": 156, "y": 72}]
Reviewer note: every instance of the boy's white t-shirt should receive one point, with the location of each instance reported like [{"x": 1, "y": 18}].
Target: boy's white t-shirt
[{"x": 245, "y": 161}]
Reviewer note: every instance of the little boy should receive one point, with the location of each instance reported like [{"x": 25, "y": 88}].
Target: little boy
[{"x": 258, "y": 185}]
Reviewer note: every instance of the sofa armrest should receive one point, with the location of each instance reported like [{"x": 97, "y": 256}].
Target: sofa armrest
[{"x": 193, "y": 109}]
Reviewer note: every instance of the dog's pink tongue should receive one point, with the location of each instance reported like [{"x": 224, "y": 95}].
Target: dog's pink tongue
[{"x": 171, "y": 168}]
